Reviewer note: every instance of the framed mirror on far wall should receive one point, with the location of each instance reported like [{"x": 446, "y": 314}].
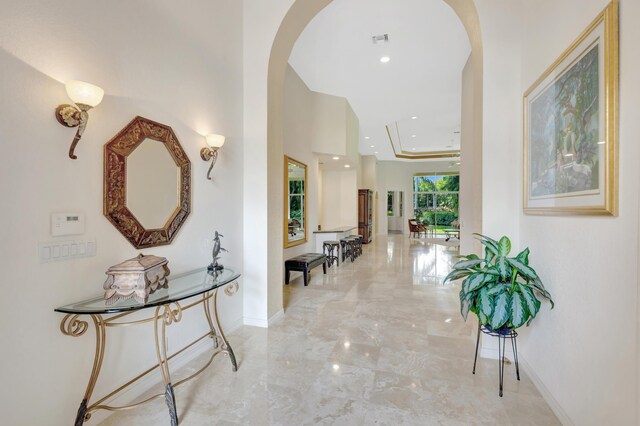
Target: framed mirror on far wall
[{"x": 295, "y": 202}]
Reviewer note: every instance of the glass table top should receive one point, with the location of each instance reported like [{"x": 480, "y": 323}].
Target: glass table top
[{"x": 181, "y": 287}]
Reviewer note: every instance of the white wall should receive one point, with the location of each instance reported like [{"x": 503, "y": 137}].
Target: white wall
[
  {"x": 297, "y": 143},
  {"x": 398, "y": 176},
  {"x": 584, "y": 351},
  {"x": 470, "y": 164},
  {"x": 339, "y": 199},
  {"x": 157, "y": 59}
]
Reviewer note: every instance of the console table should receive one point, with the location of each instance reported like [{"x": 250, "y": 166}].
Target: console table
[{"x": 165, "y": 309}]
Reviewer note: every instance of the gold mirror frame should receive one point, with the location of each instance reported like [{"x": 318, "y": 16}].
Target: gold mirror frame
[
  {"x": 115, "y": 208},
  {"x": 287, "y": 243}
]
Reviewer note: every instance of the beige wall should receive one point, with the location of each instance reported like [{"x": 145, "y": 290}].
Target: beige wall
[
  {"x": 398, "y": 176},
  {"x": 470, "y": 164},
  {"x": 315, "y": 121},
  {"x": 584, "y": 351},
  {"x": 156, "y": 59},
  {"x": 298, "y": 137},
  {"x": 339, "y": 199}
]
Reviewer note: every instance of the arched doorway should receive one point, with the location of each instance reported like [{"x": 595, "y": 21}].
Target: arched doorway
[{"x": 295, "y": 20}]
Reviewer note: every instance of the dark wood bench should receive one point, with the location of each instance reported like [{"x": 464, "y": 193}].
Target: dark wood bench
[{"x": 304, "y": 263}]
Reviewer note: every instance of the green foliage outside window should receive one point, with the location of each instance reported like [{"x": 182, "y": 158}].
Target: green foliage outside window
[{"x": 436, "y": 199}]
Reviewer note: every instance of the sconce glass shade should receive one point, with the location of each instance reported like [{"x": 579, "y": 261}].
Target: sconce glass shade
[
  {"x": 215, "y": 141},
  {"x": 84, "y": 93}
]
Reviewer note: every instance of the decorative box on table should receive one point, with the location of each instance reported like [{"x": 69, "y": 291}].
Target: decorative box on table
[{"x": 136, "y": 278}]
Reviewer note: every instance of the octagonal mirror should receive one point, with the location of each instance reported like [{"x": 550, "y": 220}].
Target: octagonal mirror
[{"x": 147, "y": 183}]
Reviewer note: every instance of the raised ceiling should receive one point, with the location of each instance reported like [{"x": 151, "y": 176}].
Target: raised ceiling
[{"x": 428, "y": 48}]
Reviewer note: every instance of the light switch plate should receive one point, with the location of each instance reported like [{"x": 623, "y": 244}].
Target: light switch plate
[
  {"x": 67, "y": 224},
  {"x": 57, "y": 251}
]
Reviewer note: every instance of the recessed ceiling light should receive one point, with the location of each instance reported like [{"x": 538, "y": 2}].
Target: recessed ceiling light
[
  {"x": 367, "y": 137},
  {"x": 413, "y": 136},
  {"x": 414, "y": 117},
  {"x": 375, "y": 152},
  {"x": 336, "y": 158},
  {"x": 347, "y": 166},
  {"x": 371, "y": 146},
  {"x": 413, "y": 149},
  {"x": 385, "y": 59}
]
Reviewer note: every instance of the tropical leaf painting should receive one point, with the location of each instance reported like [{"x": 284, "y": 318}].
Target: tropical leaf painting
[{"x": 565, "y": 131}]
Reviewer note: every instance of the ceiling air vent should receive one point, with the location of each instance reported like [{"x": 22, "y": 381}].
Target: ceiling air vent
[{"x": 384, "y": 38}]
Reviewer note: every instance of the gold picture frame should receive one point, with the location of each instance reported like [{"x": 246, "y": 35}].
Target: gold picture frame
[
  {"x": 295, "y": 225},
  {"x": 570, "y": 127}
]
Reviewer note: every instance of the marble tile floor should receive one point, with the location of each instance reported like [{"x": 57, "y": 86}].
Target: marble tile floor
[{"x": 376, "y": 342}]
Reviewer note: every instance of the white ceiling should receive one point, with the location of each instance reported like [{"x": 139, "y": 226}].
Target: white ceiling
[{"x": 428, "y": 47}]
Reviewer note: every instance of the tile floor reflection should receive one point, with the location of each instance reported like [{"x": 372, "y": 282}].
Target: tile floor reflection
[{"x": 375, "y": 342}]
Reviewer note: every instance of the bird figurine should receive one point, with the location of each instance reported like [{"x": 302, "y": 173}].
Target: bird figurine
[{"x": 215, "y": 253}]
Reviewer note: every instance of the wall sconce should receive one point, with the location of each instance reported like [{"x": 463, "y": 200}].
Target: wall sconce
[
  {"x": 210, "y": 152},
  {"x": 85, "y": 96}
]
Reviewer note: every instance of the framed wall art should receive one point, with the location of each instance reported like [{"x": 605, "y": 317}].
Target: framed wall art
[{"x": 570, "y": 127}]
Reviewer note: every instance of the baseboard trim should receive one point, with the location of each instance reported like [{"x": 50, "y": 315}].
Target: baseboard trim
[
  {"x": 278, "y": 316},
  {"x": 263, "y": 323},
  {"x": 548, "y": 396}
]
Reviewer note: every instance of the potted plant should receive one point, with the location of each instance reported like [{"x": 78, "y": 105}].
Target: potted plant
[{"x": 500, "y": 290}]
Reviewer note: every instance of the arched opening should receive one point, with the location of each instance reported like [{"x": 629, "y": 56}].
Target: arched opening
[{"x": 294, "y": 22}]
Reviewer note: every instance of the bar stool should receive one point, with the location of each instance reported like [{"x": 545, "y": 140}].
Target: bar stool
[
  {"x": 357, "y": 244},
  {"x": 352, "y": 242},
  {"x": 331, "y": 248},
  {"x": 345, "y": 247}
]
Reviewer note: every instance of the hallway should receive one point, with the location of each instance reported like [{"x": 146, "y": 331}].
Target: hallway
[{"x": 377, "y": 341}]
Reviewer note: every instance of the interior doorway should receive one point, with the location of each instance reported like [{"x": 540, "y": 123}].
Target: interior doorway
[{"x": 395, "y": 212}]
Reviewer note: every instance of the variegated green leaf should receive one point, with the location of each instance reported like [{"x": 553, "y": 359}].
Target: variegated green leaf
[
  {"x": 491, "y": 245},
  {"x": 503, "y": 267},
  {"x": 525, "y": 270},
  {"x": 485, "y": 238},
  {"x": 488, "y": 255},
  {"x": 464, "y": 308},
  {"x": 519, "y": 312},
  {"x": 467, "y": 264},
  {"x": 468, "y": 256},
  {"x": 537, "y": 286},
  {"x": 493, "y": 289},
  {"x": 456, "y": 275},
  {"x": 492, "y": 270},
  {"x": 523, "y": 256},
  {"x": 485, "y": 302},
  {"x": 533, "y": 304},
  {"x": 475, "y": 281},
  {"x": 484, "y": 320},
  {"x": 504, "y": 246},
  {"x": 500, "y": 310}
]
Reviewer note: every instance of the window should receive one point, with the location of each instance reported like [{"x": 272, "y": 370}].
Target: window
[
  {"x": 390, "y": 203},
  {"x": 435, "y": 200},
  {"x": 296, "y": 201}
]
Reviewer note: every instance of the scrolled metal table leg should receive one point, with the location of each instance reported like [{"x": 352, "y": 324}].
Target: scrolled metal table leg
[
  {"x": 230, "y": 290},
  {"x": 166, "y": 316},
  {"x": 72, "y": 326}
]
